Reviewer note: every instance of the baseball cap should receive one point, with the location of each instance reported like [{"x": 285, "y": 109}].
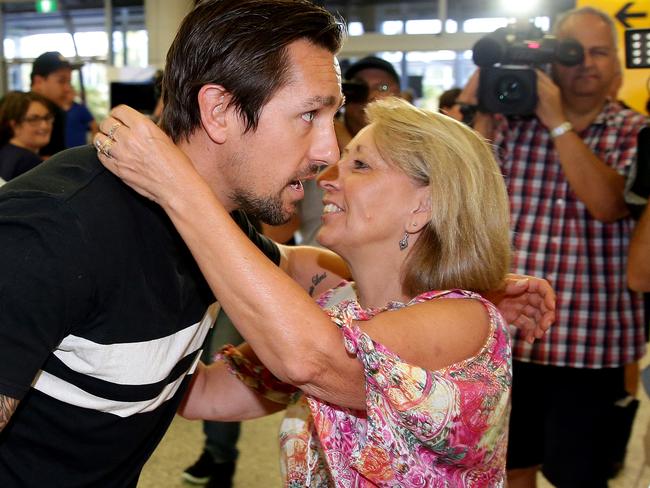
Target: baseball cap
[
  {"x": 371, "y": 62},
  {"x": 48, "y": 63}
]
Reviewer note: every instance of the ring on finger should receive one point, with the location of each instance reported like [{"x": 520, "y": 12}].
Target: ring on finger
[
  {"x": 113, "y": 130},
  {"x": 106, "y": 148}
]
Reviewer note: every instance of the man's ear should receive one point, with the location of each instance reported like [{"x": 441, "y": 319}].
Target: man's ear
[
  {"x": 214, "y": 105},
  {"x": 420, "y": 215},
  {"x": 37, "y": 81}
]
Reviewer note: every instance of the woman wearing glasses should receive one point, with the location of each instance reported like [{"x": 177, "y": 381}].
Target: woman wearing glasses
[{"x": 25, "y": 127}]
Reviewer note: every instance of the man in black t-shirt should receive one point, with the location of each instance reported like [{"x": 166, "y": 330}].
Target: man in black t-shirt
[
  {"x": 51, "y": 77},
  {"x": 103, "y": 311}
]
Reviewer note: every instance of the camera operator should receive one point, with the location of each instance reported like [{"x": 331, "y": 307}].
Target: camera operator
[{"x": 565, "y": 170}]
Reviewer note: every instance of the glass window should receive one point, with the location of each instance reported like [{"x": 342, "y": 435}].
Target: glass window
[
  {"x": 355, "y": 29},
  {"x": 392, "y": 27},
  {"x": 432, "y": 72},
  {"x": 451, "y": 26},
  {"x": 489, "y": 24},
  {"x": 423, "y": 26}
]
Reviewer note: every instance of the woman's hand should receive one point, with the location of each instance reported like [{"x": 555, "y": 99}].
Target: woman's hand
[
  {"x": 527, "y": 303},
  {"x": 132, "y": 147}
]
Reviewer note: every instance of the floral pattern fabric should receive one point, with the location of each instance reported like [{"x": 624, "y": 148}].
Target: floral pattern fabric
[{"x": 421, "y": 428}]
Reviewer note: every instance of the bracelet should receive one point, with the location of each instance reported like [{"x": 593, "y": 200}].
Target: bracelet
[{"x": 561, "y": 129}]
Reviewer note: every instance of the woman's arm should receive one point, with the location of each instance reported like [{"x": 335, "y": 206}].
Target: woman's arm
[{"x": 316, "y": 270}]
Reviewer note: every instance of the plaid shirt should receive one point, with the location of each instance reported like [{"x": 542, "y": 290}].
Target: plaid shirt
[{"x": 599, "y": 321}]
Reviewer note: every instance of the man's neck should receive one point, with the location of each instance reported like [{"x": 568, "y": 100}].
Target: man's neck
[
  {"x": 205, "y": 158},
  {"x": 582, "y": 111}
]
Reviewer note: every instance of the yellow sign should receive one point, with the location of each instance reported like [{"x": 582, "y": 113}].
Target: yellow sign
[{"x": 628, "y": 15}]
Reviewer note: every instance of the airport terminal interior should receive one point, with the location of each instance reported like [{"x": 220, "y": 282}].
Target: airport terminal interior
[{"x": 117, "y": 49}]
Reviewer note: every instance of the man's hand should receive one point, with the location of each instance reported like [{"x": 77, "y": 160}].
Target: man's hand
[
  {"x": 549, "y": 105},
  {"x": 527, "y": 303}
]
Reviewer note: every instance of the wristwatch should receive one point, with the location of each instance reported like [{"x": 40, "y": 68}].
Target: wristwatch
[{"x": 561, "y": 129}]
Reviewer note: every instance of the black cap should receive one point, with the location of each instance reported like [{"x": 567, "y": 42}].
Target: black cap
[
  {"x": 48, "y": 63},
  {"x": 374, "y": 63}
]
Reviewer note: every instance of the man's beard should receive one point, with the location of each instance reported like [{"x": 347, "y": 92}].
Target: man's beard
[{"x": 267, "y": 209}]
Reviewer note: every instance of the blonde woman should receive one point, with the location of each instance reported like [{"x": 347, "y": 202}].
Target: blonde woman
[{"x": 398, "y": 378}]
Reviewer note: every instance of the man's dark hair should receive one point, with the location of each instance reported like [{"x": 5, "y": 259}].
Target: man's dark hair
[
  {"x": 242, "y": 46},
  {"x": 448, "y": 98}
]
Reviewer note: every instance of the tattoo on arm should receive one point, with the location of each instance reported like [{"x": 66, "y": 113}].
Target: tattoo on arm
[
  {"x": 315, "y": 280},
  {"x": 7, "y": 407}
]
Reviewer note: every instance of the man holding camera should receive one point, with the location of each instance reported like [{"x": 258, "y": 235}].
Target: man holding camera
[{"x": 565, "y": 169}]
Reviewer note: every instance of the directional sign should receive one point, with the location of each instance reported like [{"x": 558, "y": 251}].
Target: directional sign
[
  {"x": 632, "y": 19},
  {"x": 637, "y": 48},
  {"x": 624, "y": 14}
]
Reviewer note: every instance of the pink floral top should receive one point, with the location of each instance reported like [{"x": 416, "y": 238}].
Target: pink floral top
[{"x": 421, "y": 428}]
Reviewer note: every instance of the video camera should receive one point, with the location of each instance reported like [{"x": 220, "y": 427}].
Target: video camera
[{"x": 508, "y": 58}]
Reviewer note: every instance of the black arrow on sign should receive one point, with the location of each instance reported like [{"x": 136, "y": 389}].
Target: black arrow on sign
[{"x": 623, "y": 14}]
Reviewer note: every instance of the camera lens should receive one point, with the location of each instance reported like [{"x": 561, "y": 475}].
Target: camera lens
[{"x": 510, "y": 90}]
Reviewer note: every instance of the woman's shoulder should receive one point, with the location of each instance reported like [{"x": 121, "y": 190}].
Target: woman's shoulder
[{"x": 439, "y": 330}]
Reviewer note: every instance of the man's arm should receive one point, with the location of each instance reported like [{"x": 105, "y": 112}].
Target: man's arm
[
  {"x": 7, "y": 408},
  {"x": 638, "y": 261},
  {"x": 217, "y": 394},
  {"x": 45, "y": 286},
  {"x": 596, "y": 184},
  {"x": 526, "y": 302}
]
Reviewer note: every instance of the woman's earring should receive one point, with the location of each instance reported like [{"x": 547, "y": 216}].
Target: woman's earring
[{"x": 404, "y": 243}]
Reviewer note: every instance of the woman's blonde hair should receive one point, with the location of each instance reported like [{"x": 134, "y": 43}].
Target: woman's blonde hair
[{"x": 467, "y": 242}]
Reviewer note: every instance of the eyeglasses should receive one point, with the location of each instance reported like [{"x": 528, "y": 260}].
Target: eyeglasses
[
  {"x": 381, "y": 87},
  {"x": 37, "y": 119}
]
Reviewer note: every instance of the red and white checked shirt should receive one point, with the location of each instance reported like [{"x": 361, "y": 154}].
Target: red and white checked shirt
[{"x": 599, "y": 321}]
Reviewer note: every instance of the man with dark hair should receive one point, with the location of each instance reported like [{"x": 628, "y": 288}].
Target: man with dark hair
[
  {"x": 566, "y": 169},
  {"x": 103, "y": 308},
  {"x": 380, "y": 79},
  {"x": 380, "y": 76},
  {"x": 447, "y": 100},
  {"x": 51, "y": 75}
]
